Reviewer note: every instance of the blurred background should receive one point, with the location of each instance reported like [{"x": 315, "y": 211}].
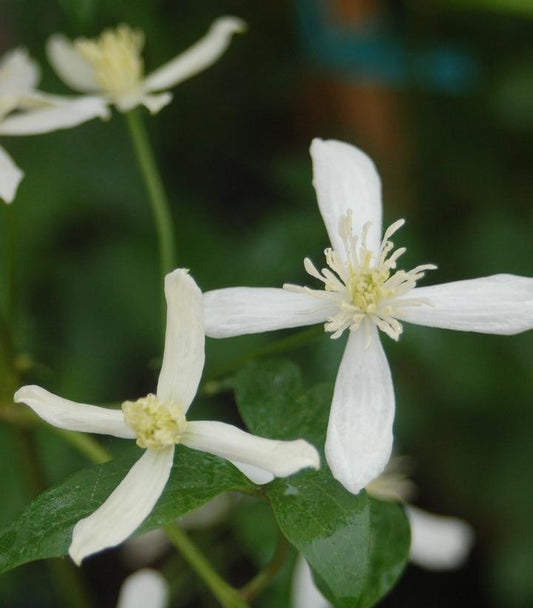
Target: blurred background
[{"x": 440, "y": 94}]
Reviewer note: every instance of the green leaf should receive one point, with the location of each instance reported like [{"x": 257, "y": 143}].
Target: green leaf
[
  {"x": 356, "y": 546},
  {"x": 272, "y": 402},
  {"x": 44, "y": 528}
]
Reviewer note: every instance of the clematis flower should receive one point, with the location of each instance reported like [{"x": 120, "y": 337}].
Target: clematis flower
[
  {"x": 143, "y": 588},
  {"x": 158, "y": 423},
  {"x": 26, "y": 111},
  {"x": 438, "y": 542},
  {"x": 363, "y": 293},
  {"x": 112, "y": 66}
]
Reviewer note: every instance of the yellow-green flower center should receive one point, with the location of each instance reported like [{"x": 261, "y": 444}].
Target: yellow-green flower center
[
  {"x": 157, "y": 424},
  {"x": 364, "y": 284},
  {"x": 116, "y": 59}
]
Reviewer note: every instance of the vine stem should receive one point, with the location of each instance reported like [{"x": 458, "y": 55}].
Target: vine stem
[
  {"x": 228, "y": 596},
  {"x": 294, "y": 341},
  {"x": 154, "y": 187},
  {"x": 261, "y": 580}
]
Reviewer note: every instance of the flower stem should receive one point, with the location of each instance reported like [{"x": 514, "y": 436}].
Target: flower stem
[
  {"x": 155, "y": 189},
  {"x": 85, "y": 445},
  {"x": 225, "y": 594},
  {"x": 291, "y": 342},
  {"x": 261, "y": 580}
]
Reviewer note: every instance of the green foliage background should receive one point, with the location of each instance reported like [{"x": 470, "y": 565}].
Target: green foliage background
[{"x": 233, "y": 148}]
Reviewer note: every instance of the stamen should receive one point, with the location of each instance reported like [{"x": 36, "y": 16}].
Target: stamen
[
  {"x": 157, "y": 424},
  {"x": 116, "y": 59},
  {"x": 364, "y": 286}
]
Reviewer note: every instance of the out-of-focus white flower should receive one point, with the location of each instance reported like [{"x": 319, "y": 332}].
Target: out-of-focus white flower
[
  {"x": 112, "y": 65},
  {"x": 144, "y": 589},
  {"x": 364, "y": 293},
  {"x": 437, "y": 542},
  {"x": 26, "y": 111},
  {"x": 142, "y": 550},
  {"x": 158, "y": 423}
]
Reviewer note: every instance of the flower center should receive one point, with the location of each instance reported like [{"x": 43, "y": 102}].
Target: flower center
[
  {"x": 157, "y": 424},
  {"x": 363, "y": 284},
  {"x": 116, "y": 59}
]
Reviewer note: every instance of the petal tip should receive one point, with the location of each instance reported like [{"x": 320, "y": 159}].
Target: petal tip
[
  {"x": 24, "y": 393},
  {"x": 232, "y": 24},
  {"x": 75, "y": 554}
]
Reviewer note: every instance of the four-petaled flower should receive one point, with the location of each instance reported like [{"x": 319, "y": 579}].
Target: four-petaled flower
[
  {"x": 26, "y": 111},
  {"x": 112, "y": 66},
  {"x": 158, "y": 423},
  {"x": 363, "y": 293}
]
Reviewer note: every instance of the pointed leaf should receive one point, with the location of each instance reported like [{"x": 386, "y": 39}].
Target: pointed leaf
[
  {"x": 44, "y": 528},
  {"x": 356, "y": 546}
]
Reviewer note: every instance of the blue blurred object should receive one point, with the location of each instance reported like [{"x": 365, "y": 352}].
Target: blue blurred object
[{"x": 377, "y": 52}]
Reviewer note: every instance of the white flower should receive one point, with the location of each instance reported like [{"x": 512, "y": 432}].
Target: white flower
[
  {"x": 437, "y": 542},
  {"x": 112, "y": 66},
  {"x": 26, "y": 111},
  {"x": 144, "y": 588},
  {"x": 363, "y": 293},
  {"x": 158, "y": 422}
]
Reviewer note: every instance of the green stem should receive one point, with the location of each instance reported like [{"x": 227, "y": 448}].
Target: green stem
[
  {"x": 85, "y": 445},
  {"x": 261, "y": 580},
  {"x": 24, "y": 418},
  {"x": 155, "y": 189},
  {"x": 292, "y": 342},
  {"x": 225, "y": 594}
]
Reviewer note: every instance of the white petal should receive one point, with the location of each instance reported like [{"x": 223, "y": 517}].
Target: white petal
[
  {"x": 155, "y": 103},
  {"x": 10, "y": 176},
  {"x": 74, "y": 416},
  {"x": 499, "y": 304},
  {"x": 70, "y": 64},
  {"x": 345, "y": 178},
  {"x": 248, "y": 310},
  {"x": 18, "y": 73},
  {"x": 281, "y": 458},
  {"x": 126, "y": 508},
  {"x": 304, "y": 592},
  {"x": 184, "y": 356},
  {"x": 198, "y": 57},
  {"x": 255, "y": 474},
  {"x": 63, "y": 116},
  {"x": 437, "y": 542},
  {"x": 142, "y": 589},
  {"x": 359, "y": 438}
]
